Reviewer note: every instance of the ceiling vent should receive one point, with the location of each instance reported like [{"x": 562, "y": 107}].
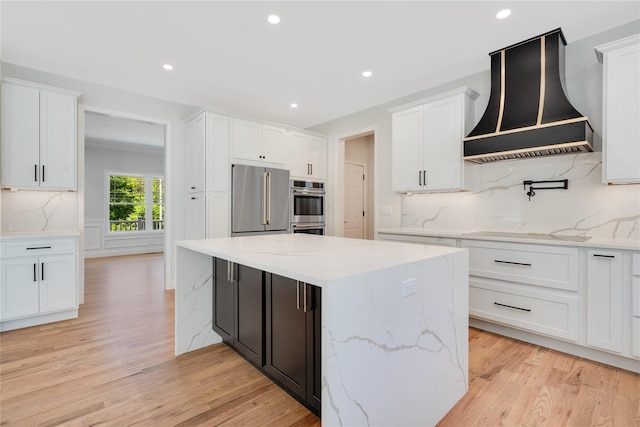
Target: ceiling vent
[{"x": 528, "y": 114}]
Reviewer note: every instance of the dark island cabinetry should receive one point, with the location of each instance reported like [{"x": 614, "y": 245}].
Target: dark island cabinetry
[
  {"x": 238, "y": 313},
  {"x": 273, "y": 322},
  {"x": 293, "y": 311}
]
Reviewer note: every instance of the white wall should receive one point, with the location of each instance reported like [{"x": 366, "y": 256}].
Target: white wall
[
  {"x": 98, "y": 161},
  {"x": 584, "y": 87},
  {"x": 108, "y": 98}
]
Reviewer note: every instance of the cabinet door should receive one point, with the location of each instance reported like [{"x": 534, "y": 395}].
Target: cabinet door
[
  {"x": 195, "y": 216},
  {"x": 246, "y": 140},
  {"x": 443, "y": 144},
  {"x": 217, "y": 152},
  {"x": 317, "y": 154},
  {"x": 57, "y": 140},
  {"x": 19, "y": 146},
  {"x": 314, "y": 350},
  {"x": 57, "y": 283},
  {"x": 299, "y": 164},
  {"x": 286, "y": 334},
  {"x": 621, "y": 118},
  {"x": 19, "y": 288},
  {"x": 249, "y": 315},
  {"x": 194, "y": 154},
  {"x": 604, "y": 300},
  {"x": 223, "y": 299},
  {"x": 407, "y": 150},
  {"x": 217, "y": 214},
  {"x": 275, "y": 145}
]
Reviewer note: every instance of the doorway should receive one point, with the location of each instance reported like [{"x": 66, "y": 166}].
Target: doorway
[
  {"x": 119, "y": 150},
  {"x": 354, "y": 200},
  {"x": 359, "y": 161}
]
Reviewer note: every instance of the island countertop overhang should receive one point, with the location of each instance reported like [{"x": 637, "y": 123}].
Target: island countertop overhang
[{"x": 318, "y": 260}]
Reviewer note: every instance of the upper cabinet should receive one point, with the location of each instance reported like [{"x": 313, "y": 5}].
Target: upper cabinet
[
  {"x": 308, "y": 156},
  {"x": 621, "y": 110},
  {"x": 427, "y": 142},
  {"x": 207, "y": 153},
  {"x": 260, "y": 144},
  {"x": 39, "y": 136}
]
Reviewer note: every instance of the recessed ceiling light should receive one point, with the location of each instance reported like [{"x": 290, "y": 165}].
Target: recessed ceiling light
[
  {"x": 273, "y": 19},
  {"x": 167, "y": 67},
  {"x": 503, "y": 13},
  {"x": 367, "y": 74},
  {"x": 294, "y": 105}
]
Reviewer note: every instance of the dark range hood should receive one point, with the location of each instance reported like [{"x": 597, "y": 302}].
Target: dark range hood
[{"x": 528, "y": 114}]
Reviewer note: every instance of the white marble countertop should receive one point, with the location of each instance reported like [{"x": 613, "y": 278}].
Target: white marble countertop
[
  {"x": 535, "y": 238},
  {"x": 39, "y": 234},
  {"x": 317, "y": 260}
]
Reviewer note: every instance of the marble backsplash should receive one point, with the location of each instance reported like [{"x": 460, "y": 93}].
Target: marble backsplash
[
  {"x": 496, "y": 200},
  {"x": 38, "y": 211}
]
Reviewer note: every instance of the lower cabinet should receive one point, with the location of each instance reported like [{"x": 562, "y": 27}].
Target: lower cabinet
[
  {"x": 238, "y": 315},
  {"x": 293, "y": 312},
  {"x": 273, "y": 322},
  {"x": 604, "y": 300},
  {"x": 38, "y": 277}
]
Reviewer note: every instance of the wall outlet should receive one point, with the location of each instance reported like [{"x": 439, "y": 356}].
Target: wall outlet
[{"x": 408, "y": 287}]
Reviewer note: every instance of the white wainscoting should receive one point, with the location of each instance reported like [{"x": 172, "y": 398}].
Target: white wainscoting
[{"x": 99, "y": 243}]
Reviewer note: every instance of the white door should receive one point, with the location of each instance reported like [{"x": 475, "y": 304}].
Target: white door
[
  {"x": 354, "y": 201},
  {"x": 57, "y": 283},
  {"x": 57, "y": 140},
  {"x": 19, "y": 288}
]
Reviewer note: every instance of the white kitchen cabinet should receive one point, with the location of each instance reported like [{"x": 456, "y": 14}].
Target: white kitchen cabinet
[
  {"x": 307, "y": 156},
  {"x": 207, "y": 174},
  {"x": 39, "y": 278},
  {"x": 604, "y": 300},
  {"x": 635, "y": 311},
  {"x": 530, "y": 287},
  {"x": 621, "y": 110},
  {"x": 427, "y": 142},
  {"x": 207, "y": 153},
  {"x": 195, "y": 216},
  {"x": 260, "y": 144},
  {"x": 39, "y": 136}
]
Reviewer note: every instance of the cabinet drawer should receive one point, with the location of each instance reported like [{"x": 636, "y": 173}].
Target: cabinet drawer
[
  {"x": 549, "y": 266},
  {"x": 636, "y": 296},
  {"x": 551, "y": 315},
  {"x": 38, "y": 247}
]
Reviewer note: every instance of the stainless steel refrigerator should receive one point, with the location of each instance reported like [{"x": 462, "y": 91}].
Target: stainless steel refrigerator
[{"x": 259, "y": 200}]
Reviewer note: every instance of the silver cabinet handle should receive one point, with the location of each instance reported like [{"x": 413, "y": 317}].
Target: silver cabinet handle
[
  {"x": 304, "y": 298},
  {"x": 297, "y": 295},
  {"x": 311, "y": 164},
  {"x": 511, "y": 262},
  {"x": 231, "y": 273}
]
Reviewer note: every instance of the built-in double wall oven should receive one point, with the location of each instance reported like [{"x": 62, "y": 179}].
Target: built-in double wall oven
[{"x": 307, "y": 207}]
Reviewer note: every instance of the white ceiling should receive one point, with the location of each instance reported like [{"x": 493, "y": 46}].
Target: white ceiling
[{"x": 228, "y": 57}]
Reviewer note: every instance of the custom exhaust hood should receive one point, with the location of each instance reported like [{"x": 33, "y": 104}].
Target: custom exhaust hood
[{"x": 528, "y": 114}]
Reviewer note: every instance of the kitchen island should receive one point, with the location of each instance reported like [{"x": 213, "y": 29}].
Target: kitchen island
[{"x": 394, "y": 325}]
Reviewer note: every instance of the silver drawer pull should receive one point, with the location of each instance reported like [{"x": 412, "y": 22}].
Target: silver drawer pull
[
  {"x": 604, "y": 256},
  {"x": 513, "y": 263},
  {"x": 39, "y": 247},
  {"x": 511, "y": 306}
]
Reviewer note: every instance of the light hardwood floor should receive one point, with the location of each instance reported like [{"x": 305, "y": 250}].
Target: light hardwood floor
[{"x": 115, "y": 366}]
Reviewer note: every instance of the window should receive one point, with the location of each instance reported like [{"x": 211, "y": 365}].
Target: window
[{"x": 136, "y": 203}]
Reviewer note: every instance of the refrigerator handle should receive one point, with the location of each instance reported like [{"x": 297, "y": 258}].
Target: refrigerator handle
[
  {"x": 264, "y": 198},
  {"x": 268, "y": 198}
]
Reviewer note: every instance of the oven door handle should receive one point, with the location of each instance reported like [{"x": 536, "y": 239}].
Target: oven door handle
[{"x": 308, "y": 192}]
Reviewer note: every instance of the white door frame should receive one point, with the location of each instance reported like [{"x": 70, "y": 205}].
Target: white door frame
[
  {"x": 167, "y": 181},
  {"x": 338, "y": 211}
]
